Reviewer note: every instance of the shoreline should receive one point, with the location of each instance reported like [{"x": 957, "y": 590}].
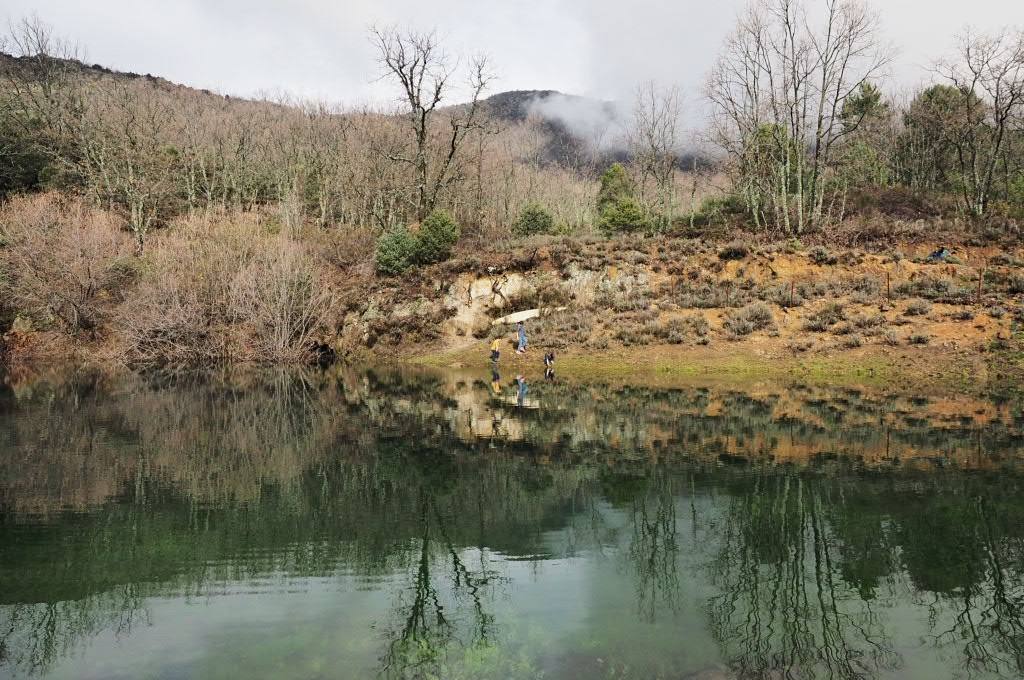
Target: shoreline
[
  {"x": 931, "y": 369},
  {"x": 670, "y": 366}
]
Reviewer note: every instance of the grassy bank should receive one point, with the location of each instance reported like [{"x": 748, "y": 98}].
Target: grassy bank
[{"x": 668, "y": 366}]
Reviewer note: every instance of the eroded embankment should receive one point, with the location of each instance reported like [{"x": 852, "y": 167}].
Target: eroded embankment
[{"x": 663, "y": 310}]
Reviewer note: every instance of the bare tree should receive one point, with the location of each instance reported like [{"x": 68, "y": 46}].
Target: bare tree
[
  {"x": 989, "y": 73},
  {"x": 654, "y": 142},
  {"x": 424, "y": 72},
  {"x": 779, "y": 89}
]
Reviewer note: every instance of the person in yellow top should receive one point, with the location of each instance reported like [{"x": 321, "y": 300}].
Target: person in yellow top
[{"x": 495, "y": 349}]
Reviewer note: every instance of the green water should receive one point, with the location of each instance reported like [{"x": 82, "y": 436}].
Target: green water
[{"x": 362, "y": 524}]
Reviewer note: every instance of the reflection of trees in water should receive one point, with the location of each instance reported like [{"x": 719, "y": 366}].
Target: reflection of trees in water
[
  {"x": 188, "y": 485},
  {"x": 965, "y": 556},
  {"x": 424, "y": 632},
  {"x": 654, "y": 547},
  {"x": 784, "y": 607},
  {"x": 34, "y": 636}
]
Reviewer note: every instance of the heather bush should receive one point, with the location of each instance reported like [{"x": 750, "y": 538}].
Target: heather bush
[{"x": 754, "y": 317}]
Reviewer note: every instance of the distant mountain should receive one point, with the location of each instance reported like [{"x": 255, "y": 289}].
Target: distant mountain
[
  {"x": 575, "y": 126},
  {"x": 581, "y": 130}
]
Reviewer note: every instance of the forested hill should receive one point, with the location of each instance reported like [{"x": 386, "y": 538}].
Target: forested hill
[
  {"x": 42, "y": 65},
  {"x": 553, "y": 111}
]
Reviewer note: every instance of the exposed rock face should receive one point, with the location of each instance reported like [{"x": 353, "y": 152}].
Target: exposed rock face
[
  {"x": 467, "y": 308},
  {"x": 474, "y": 299}
]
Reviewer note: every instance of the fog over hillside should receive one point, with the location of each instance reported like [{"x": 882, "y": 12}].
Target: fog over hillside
[{"x": 319, "y": 49}]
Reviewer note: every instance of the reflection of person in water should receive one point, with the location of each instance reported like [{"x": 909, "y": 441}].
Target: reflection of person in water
[
  {"x": 495, "y": 383},
  {"x": 521, "y": 393},
  {"x": 549, "y": 366}
]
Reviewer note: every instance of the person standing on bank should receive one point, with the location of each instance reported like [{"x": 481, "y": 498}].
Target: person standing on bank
[
  {"x": 495, "y": 350},
  {"x": 522, "y": 338}
]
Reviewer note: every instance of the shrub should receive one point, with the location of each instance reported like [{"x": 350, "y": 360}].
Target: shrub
[
  {"x": 821, "y": 256},
  {"x": 891, "y": 338},
  {"x": 825, "y": 317},
  {"x": 744, "y": 321},
  {"x": 868, "y": 324},
  {"x": 63, "y": 261},
  {"x": 623, "y": 215},
  {"x": 225, "y": 291},
  {"x": 621, "y": 299},
  {"x": 852, "y": 341},
  {"x": 534, "y": 219},
  {"x": 436, "y": 238},
  {"x": 736, "y": 250},
  {"x": 935, "y": 288},
  {"x": 918, "y": 308},
  {"x": 616, "y": 186},
  {"x": 715, "y": 207},
  {"x": 963, "y": 315},
  {"x": 919, "y": 339},
  {"x": 396, "y": 251},
  {"x": 563, "y": 329}
]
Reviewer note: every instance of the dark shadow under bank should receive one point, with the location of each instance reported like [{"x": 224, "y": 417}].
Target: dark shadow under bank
[{"x": 808, "y": 511}]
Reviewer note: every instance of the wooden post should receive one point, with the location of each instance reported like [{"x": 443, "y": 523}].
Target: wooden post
[
  {"x": 792, "y": 291},
  {"x": 888, "y": 292},
  {"x": 981, "y": 280}
]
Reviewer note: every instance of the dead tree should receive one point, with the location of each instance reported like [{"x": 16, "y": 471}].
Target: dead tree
[{"x": 424, "y": 72}]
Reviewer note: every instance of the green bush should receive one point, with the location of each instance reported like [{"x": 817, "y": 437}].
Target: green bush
[
  {"x": 623, "y": 215},
  {"x": 396, "y": 251},
  {"x": 616, "y": 185},
  {"x": 1015, "y": 196},
  {"x": 437, "y": 237},
  {"x": 534, "y": 219}
]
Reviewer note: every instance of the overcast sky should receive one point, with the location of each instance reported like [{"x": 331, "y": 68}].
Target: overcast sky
[{"x": 319, "y": 48}]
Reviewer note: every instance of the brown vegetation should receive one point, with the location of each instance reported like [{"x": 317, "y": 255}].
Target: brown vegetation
[{"x": 162, "y": 224}]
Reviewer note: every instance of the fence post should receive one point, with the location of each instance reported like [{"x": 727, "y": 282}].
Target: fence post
[{"x": 888, "y": 292}]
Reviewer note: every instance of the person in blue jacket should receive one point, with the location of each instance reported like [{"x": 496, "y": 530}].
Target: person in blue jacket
[{"x": 522, "y": 338}]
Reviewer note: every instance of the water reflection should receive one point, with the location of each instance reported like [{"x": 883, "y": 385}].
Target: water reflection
[{"x": 419, "y": 524}]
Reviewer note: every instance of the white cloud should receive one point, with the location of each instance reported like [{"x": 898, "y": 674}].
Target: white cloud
[{"x": 319, "y": 48}]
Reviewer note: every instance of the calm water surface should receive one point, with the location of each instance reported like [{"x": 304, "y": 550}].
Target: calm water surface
[{"x": 396, "y": 524}]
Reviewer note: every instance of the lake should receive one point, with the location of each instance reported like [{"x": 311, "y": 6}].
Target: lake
[{"x": 398, "y": 523}]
